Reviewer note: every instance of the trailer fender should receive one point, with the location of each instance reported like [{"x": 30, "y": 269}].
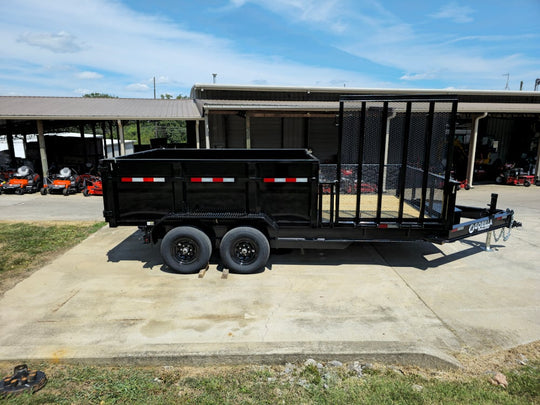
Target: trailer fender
[{"x": 214, "y": 227}]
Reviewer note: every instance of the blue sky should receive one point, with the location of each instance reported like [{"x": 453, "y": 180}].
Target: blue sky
[{"x": 69, "y": 48}]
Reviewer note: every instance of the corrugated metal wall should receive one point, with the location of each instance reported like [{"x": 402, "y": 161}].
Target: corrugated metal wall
[
  {"x": 266, "y": 132},
  {"x": 323, "y": 139},
  {"x": 320, "y": 134},
  {"x": 235, "y": 127},
  {"x": 294, "y": 132}
]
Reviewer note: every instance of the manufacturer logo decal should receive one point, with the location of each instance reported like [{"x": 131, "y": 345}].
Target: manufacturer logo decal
[{"x": 480, "y": 226}]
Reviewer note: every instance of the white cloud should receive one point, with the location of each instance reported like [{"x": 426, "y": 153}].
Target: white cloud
[
  {"x": 81, "y": 92},
  {"x": 61, "y": 42},
  {"x": 328, "y": 13},
  {"x": 89, "y": 75},
  {"x": 139, "y": 87},
  {"x": 132, "y": 48},
  {"x": 456, "y": 13},
  {"x": 418, "y": 76}
]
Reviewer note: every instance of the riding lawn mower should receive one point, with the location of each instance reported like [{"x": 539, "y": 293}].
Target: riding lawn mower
[
  {"x": 67, "y": 182},
  {"x": 24, "y": 180}
]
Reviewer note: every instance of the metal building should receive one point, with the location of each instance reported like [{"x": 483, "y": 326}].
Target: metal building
[{"x": 494, "y": 126}]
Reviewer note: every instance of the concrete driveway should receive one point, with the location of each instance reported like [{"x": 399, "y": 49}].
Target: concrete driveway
[{"x": 110, "y": 300}]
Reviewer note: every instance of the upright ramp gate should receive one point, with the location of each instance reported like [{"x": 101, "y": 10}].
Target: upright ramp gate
[{"x": 394, "y": 161}]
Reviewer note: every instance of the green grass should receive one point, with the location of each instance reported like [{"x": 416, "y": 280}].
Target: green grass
[
  {"x": 271, "y": 385},
  {"x": 25, "y": 245}
]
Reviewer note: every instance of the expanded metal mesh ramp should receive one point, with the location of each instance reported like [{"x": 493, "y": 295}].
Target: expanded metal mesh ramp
[{"x": 393, "y": 163}]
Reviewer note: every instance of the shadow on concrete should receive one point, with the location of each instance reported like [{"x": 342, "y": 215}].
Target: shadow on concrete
[
  {"x": 420, "y": 255},
  {"x": 425, "y": 255},
  {"x": 133, "y": 249}
]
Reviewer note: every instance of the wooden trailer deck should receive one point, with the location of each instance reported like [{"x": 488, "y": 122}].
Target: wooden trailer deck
[{"x": 368, "y": 207}]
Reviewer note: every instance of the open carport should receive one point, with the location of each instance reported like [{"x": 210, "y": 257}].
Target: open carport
[{"x": 20, "y": 116}]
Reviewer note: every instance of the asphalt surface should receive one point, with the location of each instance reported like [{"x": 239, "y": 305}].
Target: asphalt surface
[{"x": 111, "y": 300}]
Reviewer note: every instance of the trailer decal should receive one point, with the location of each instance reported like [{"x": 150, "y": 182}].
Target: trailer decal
[
  {"x": 285, "y": 180},
  {"x": 212, "y": 179},
  {"x": 143, "y": 179},
  {"x": 480, "y": 226}
]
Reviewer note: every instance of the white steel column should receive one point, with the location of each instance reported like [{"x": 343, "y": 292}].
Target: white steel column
[
  {"x": 197, "y": 134},
  {"x": 537, "y": 167},
  {"x": 387, "y": 143},
  {"x": 207, "y": 131},
  {"x": 472, "y": 148},
  {"x": 248, "y": 132}
]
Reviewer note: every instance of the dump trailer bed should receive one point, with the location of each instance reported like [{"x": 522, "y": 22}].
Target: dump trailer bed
[{"x": 390, "y": 182}]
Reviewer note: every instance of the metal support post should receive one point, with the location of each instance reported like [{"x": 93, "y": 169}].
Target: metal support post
[
  {"x": 248, "y": 132},
  {"x": 121, "y": 140},
  {"x": 207, "y": 131},
  {"x": 472, "y": 148},
  {"x": 42, "y": 149}
]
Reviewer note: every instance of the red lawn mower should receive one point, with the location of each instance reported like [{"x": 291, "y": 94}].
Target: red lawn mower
[
  {"x": 24, "y": 180},
  {"x": 515, "y": 176},
  {"x": 67, "y": 182},
  {"x": 91, "y": 185}
]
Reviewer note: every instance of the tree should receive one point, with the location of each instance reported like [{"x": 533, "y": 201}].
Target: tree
[{"x": 99, "y": 95}]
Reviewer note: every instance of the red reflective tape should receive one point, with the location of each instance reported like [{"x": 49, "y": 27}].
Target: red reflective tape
[
  {"x": 383, "y": 226},
  {"x": 142, "y": 179},
  {"x": 285, "y": 180},
  {"x": 212, "y": 179}
]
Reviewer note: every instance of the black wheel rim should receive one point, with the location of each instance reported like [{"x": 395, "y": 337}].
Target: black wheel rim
[
  {"x": 185, "y": 250},
  {"x": 244, "y": 251}
]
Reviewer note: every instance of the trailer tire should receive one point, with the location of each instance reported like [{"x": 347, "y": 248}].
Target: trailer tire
[
  {"x": 186, "y": 249},
  {"x": 244, "y": 250}
]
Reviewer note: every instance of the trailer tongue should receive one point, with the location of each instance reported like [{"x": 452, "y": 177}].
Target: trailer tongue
[{"x": 390, "y": 181}]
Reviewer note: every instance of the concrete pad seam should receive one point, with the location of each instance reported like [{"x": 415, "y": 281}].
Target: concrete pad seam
[{"x": 410, "y": 287}]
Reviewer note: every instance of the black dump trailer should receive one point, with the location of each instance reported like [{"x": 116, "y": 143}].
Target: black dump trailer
[{"x": 391, "y": 181}]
